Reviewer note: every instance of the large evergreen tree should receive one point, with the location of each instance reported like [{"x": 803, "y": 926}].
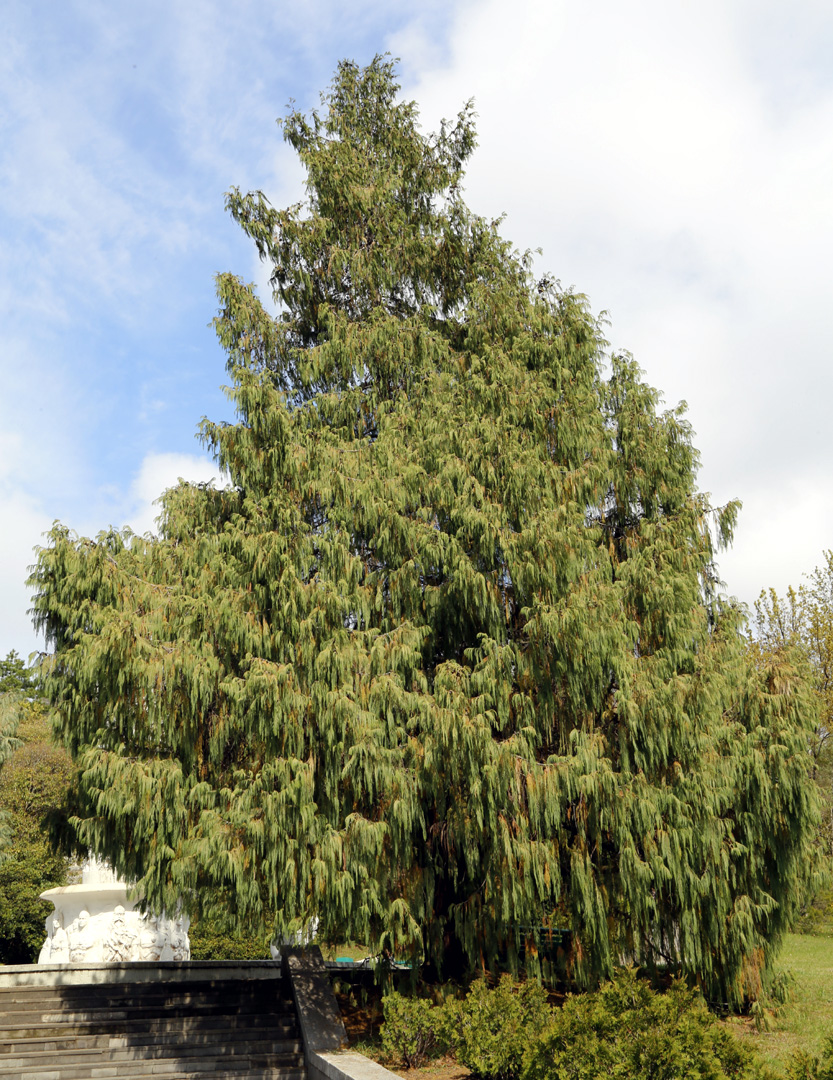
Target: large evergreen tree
[{"x": 447, "y": 658}]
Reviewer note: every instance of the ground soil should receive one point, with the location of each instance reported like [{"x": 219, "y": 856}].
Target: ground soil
[
  {"x": 442, "y": 1069},
  {"x": 362, "y": 1015}
]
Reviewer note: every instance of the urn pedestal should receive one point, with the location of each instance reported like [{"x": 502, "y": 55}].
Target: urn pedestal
[{"x": 97, "y": 922}]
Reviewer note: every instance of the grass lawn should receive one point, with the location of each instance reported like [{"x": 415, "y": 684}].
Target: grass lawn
[
  {"x": 808, "y": 1018},
  {"x": 343, "y": 951}
]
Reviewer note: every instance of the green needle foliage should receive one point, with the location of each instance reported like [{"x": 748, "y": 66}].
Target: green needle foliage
[{"x": 446, "y": 659}]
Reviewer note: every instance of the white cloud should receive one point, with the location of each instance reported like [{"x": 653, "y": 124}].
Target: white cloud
[
  {"x": 781, "y": 540},
  {"x": 23, "y": 526},
  {"x": 675, "y": 162},
  {"x": 157, "y": 473},
  {"x": 658, "y": 156},
  {"x": 24, "y": 523}
]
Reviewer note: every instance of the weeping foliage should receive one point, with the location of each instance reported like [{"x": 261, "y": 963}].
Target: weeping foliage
[{"x": 446, "y": 660}]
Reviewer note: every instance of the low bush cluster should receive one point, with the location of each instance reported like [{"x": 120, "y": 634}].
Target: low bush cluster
[
  {"x": 804, "y": 1066},
  {"x": 413, "y": 1030},
  {"x": 625, "y": 1031},
  {"x": 211, "y": 939},
  {"x": 490, "y": 1031}
]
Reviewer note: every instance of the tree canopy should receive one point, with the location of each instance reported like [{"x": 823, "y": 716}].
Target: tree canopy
[
  {"x": 447, "y": 659},
  {"x": 15, "y": 676},
  {"x": 800, "y": 625},
  {"x": 13, "y": 682},
  {"x": 33, "y": 785}
]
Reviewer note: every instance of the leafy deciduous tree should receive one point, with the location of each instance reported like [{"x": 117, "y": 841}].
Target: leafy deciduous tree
[
  {"x": 447, "y": 658},
  {"x": 11, "y": 683},
  {"x": 15, "y": 677},
  {"x": 33, "y": 782}
]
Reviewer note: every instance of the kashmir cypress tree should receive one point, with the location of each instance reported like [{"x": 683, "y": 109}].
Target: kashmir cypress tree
[{"x": 447, "y": 658}]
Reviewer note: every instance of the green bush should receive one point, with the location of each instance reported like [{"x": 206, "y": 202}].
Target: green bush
[
  {"x": 491, "y": 1029},
  {"x": 488, "y": 1031},
  {"x": 804, "y": 1066},
  {"x": 626, "y": 1031},
  {"x": 817, "y": 915},
  {"x": 412, "y": 1031},
  {"x": 212, "y": 940}
]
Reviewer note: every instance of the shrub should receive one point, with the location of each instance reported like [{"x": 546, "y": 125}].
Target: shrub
[
  {"x": 412, "y": 1031},
  {"x": 625, "y": 1031},
  {"x": 804, "y": 1066},
  {"x": 491, "y": 1029},
  {"x": 213, "y": 940},
  {"x": 817, "y": 915}
]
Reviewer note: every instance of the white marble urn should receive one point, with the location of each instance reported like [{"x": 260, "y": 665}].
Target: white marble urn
[{"x": 97, "y": 922}]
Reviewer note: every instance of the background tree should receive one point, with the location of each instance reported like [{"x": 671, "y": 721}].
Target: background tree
[
  {"x": 16, "y": 677},
  {"x": 801, "y": 624},
  {"x": 447, "y": 658},
  {"x": 33, "y": 784},
  {"x": 11, "y": 684}
]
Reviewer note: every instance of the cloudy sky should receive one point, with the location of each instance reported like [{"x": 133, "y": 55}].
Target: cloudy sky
[{"x": 673, "y": 161}]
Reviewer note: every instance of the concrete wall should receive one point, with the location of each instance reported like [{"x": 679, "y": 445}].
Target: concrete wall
[{"x": 322, "y": 1029}]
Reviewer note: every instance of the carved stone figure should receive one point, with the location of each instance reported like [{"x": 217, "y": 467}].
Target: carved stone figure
[
  {"x": 180, "y": 946},
  {"x": 153, "y": 938},
  {"x": 81, "y": 939},
  {"x": 56, "y": 947},
  {"x": 46, "y": 948},
  {"x": 121, "y": 943}
]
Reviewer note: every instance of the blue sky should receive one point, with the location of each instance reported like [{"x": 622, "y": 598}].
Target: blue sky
[{"x": 674, "y": 162}]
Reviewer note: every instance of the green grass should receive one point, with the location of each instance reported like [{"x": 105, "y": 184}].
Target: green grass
[
  {"x": 807, "y": 1019},
  {"x": 343, "y": 949}
]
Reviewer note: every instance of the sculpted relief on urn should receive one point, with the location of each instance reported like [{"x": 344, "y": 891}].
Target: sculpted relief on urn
[{"x": 97, "y": 922}]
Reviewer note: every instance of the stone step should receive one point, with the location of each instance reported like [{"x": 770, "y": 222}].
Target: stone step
[
  {"x": 93, "y": 1002},
  {"x": 69, "y": 1012},
  {"x": 245, "y": 1071},
  {"x": 185, "y": 1059},
  {"x": 29, "y": 1028},
  {"x": 163, "y": 997},
  {"x": 285, "y": 1035},
  {"x": 30, "y": 1056},
  {"x": 126, "y": 1014},
  {"x": 147, "y": 992}
]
